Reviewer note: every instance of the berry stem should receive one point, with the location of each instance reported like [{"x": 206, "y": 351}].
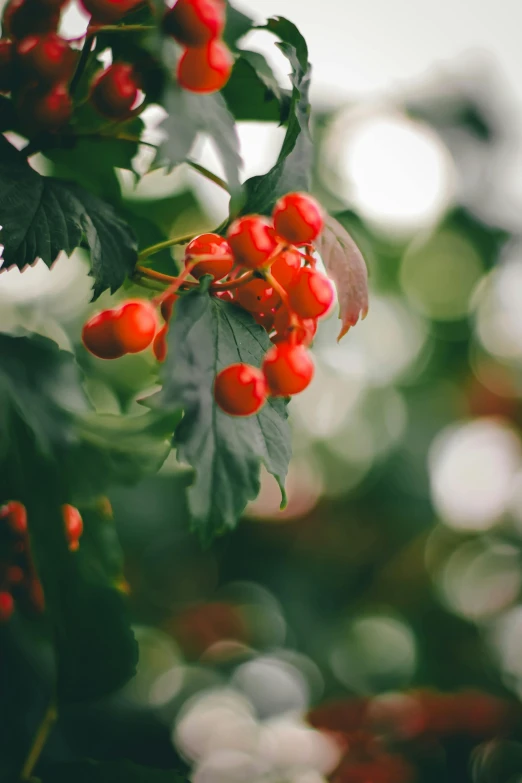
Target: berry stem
[
  {"x": 208, "y": 174},
  {"x": 40, "y": 738},
  {"x": 150, "y": 251},
  {"x": 82, "y": 62},
  {"x": 117, "y": 28},
  {"x": 229, "y": 285}
]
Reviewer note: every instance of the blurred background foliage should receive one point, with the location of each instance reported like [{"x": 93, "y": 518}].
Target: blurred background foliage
[{"x": 395, "y": 573}]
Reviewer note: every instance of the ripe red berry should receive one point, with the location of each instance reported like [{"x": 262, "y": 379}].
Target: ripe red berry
[
  {"x": 6, "y": 606},
  {"x": 28, "y": 17},
  {"x": 266, "y": 320},
  {"x": 135, "y": 325},
  {"x": 48, "y": 57},
  {"x": 73, "y": 524},
  {"x": 159, "y": 346},
  {"x": 298, "y": 218},
  {"x": 15, "y": 514},
  {"x": 205, "y": 69},
  {"x": 258, "y": 296},
  {"x": 44, "y": 111},
  {"x": 311, "y": 294},
  {"x": 195, "y": 22},
  {"x": 210, "y": 245},
  {"x": 107, "y": 11},
  {"x": 240, "y": 390},
  {"x": 115, "y": 91},
  {"x": 288, "y": 369},
  {"x": 99, "y": 336},
  {"x": 252, "y": 240},
  {"x": 285, "y": 267},
  {"x": 167, "y": 307},
  {"x": 302, "y": 332},
  {"x": 7, "y": 49}
]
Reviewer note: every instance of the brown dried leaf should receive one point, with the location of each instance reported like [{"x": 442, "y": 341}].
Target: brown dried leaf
[{"x": 344, "y": 263}]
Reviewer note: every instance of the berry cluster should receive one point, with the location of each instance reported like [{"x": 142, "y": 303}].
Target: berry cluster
[
  {"x": 18, "y": 578},
  {"x": 267, "y": 268},
  {"x": 206, "y": 62}
]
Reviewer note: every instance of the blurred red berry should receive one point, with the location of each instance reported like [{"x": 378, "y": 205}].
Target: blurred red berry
[
  {"x": 115, "y": 91},
  {"x": 195, "y": 22},
  {"x": 210, "y": 245},
  {"x": 252, "y": 240},
  {"x": 206, "y": 69},
  {"x": 240, "y": 389},
  {"x": 48, "y": 58},
  {"x": 99, "y": 336},
  {"x": 311, "y": 294},
  {"x": 288, "y": 369},
  {"x": 298, "y": 218},
  {"x": 135, "y": 325}
]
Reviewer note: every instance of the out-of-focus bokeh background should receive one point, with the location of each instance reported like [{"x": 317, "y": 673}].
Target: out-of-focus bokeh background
[{"x": 394, "y": 577}]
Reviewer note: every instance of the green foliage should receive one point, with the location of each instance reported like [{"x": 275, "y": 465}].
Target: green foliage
[
  {"x": 108, "y": 772},
  {"x": 205, "y": 336}
]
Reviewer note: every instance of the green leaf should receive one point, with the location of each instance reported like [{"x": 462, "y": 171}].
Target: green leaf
[
  {"x": 293, "y": 167},
  {"x": 41, "y": 216},
  {"x": 108, "y": 772},
  {"x": 205, "y": 336},
  {"x": 238, "y": 24},
  {"x": 253, "y": 93},
  {"x": 191, "y": 114}
]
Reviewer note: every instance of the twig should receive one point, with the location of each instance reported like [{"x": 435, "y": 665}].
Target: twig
[{"x": 40, "y": 738}]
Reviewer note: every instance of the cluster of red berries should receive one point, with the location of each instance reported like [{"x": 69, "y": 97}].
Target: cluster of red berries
[
  {"x": 282, "y": 290},
  {"x": 206, "y": 62}
]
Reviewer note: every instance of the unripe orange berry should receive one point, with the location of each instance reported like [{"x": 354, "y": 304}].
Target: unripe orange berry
[
  {"x": 252, "y": 240},
  {"x": 135, "y": 325},
  {"x": 99, "y": 336},
  {"x": 73, "y": 524},
  {"x": 206, "y": 69},
  {"x": 288, "y": 369},
  {"x": 298, "y": 218},
  {"x": 48, "y": 57},
  {"x": 115, "y": 91},
  {"x": 210, "y": 245},
  {"x": 240, "y": 389},
  {"x": 311, "y": 294},
  {"x": 195, "y": 22},
  {"x": 285, "y": 267},
  {"x": 6, "y": 606},
  {"x": 15, "y": 514},
  {"x": 257, "y": 296}
]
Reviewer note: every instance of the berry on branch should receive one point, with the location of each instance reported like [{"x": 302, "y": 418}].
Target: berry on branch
[
  {"x": 16, "y": 515},
  {"x": 28, "y": 17},
  {"x": 205, "y": 69},
  {"x": 6, "y": 606},
  {"x": 47, "y": 57},
  {"x": 210, "y": 245},
  {"x": 285, "y": 267},
  {"x": 159, "y": 346},
  {"x": 195, "y": 22},
  {"x": 135, "y": 325},
  {"x": 115, "y": 91},
  {"x": 298, "y": 218},
  {"x": 311, "y": 294},
  {"x": 44, "y": 111},
  {"x": 167, "y": 306},
  {"x": 258, "y": 296},
  {"x": 99, "y": 336},
  {"x": 252, "y": 240},
  {"x": 288, "y": 369},
  {"x": 240, "y": 389},
  {"x": 303, "y": 331},
  {"x": 73, "y": 524}
]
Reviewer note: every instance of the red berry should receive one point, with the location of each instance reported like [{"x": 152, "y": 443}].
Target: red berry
[
  {"x": 44, "y": 111},
  {"x": 206, "y": 69},
  {"x": 258, "y": 296},
  {"x": 252, "y": 240},
  {"x": 135, "y": 325},
  {"x": 298, "y": 218},
  {"x": 73, "y": 524},
  {"x": 6, "y": 606},
  {"x": 7, "y": 49},
  {"x": 167, "y": 307},
  {"x": 99, "y": 336},
  {"x": 195, "y": 22},
  {"x": 14, "y": 575},
  {"x": 302, "y": 332},
  {"x": 159, "y": 346},
  {"x": 288, "y": 369},
  {"x": 285, "y": 267},
  {"x": 16, "y": 515},
  {"x": 107, "y": 11},
  {"x": 115, "y": 91},
  {"x": 210, "y": 245},
  {"x": 28, "y": 17},
  {"x": 240, "y": 390},
  {"x": 311, "y": 294},
  {"x": 266, "y": 320},
  {"x": 48, "y": 58}
]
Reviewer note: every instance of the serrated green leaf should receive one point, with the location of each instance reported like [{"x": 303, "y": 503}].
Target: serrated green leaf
[
  {"x": 108, "y": 772},
  {"x": 41, "y": 216},
  {"x": 253, "y": 93},
  {"x": 293, "y": 167},
  {"x": 238, "y": 24},
  {"x": 205, "y": 336},
  {"x": 191, "y": 114}
]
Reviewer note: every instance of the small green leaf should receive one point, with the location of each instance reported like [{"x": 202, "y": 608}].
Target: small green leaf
[
  {"x": 205, "y": 336},
  {"x": 293, "y": 167},
  {"x": 108, "y": 772},
  {"x": 253, "y": 93},
  {"x": 41, "y": 216},
  {"x": 191, "y": 114},
  {"x": 238, "y": 24}
]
